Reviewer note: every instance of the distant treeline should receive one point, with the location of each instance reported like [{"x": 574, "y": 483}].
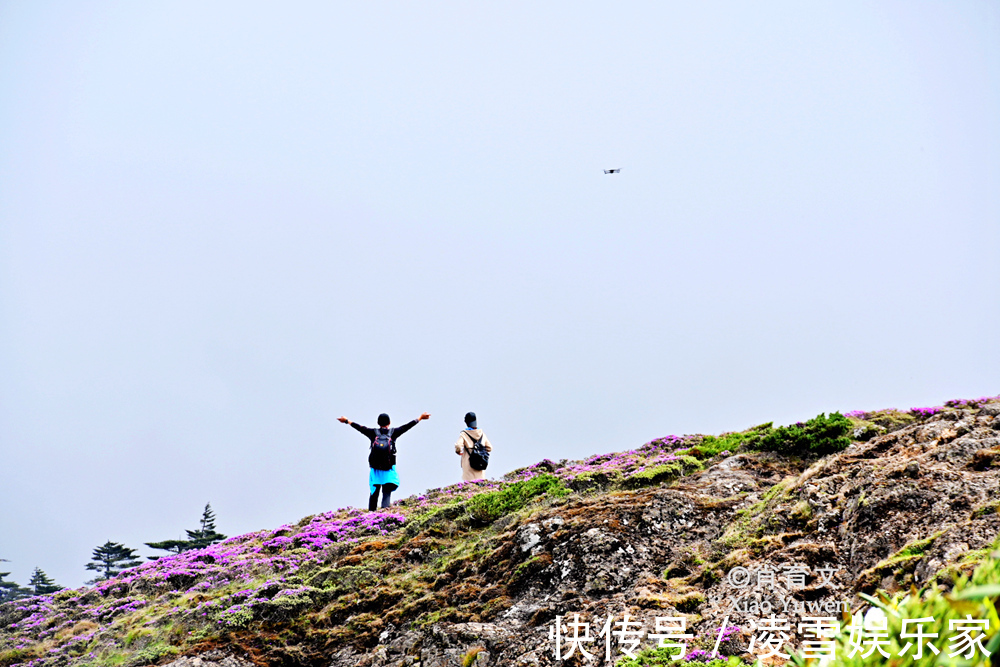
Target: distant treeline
[{"x": 111, "y": 558}]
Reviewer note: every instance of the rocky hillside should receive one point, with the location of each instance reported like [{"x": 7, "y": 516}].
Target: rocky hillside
[{"x": 892, "y": 509}]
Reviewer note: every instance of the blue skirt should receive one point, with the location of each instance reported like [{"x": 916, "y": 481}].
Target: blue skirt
[{"x": 389, "y": 476}]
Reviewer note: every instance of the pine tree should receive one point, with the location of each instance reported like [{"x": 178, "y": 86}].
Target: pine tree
[
  {"x": 110, "y": 559},
  {"x": 173, "y": 546},
  {"x": 41, "y": 584},
  {"x": 10, "y": 590},
  {"x": 206, "y": 535}
]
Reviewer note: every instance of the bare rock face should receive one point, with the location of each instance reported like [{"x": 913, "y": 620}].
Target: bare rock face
[
  {"x": 210, "y": 659},
  {"x": 842, "y": 521},
  {"x": 667, "y": 550},
  {"x": 444, "y": 645},
  {"x": 896, "y": 508}
]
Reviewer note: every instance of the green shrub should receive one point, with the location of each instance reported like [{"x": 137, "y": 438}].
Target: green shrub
[
  {"x": 278, "y": 609},
  {"x": 236, "y": 617},
  {"x": 662, "y": 473},
  {"x": 488, "y": 507},
  {"x": 150, "y": 654},
  {"x": 713, "y": 445},
  {"x": 819, "y": 436},
  {"x": 975, "y": 596}
]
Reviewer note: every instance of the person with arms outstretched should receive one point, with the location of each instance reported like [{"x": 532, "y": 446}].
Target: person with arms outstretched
[{"x": 382, "y": 456}]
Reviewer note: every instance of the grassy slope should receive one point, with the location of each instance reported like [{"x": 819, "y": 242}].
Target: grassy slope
[{"x": 295, "y": 592}]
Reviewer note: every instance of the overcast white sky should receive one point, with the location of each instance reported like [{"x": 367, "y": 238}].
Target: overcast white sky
[{"x": 224, "y": 224}]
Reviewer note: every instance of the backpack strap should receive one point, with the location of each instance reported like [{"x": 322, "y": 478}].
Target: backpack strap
[
  {"x": 378, "y": 432},
  {"x": 473, "y": 440}
]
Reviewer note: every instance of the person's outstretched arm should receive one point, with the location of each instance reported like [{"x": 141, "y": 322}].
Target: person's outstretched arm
[
  {"x": 408, "y": 425},
  {"x": 364, "y": 430}
]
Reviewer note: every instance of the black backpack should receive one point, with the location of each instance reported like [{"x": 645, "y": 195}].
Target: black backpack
[
  {"x": 479, "y": 458},
  {"x": 383, "y": 454}
]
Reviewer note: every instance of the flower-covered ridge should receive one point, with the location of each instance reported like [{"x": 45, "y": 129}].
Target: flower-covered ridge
[
  {"x": 336, "y": 577},
  {"x": 252, "y": 575},
  {"x": 922, "y": 412}
]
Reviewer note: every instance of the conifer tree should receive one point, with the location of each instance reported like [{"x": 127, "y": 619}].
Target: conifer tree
[
  {"x": 206, "y": 534},
  {"x": 11, "y": 590},
  {"x": 173, "y": 546},
  {"x": 41, "y": 584},
  {"x": 110, "y": 559}
]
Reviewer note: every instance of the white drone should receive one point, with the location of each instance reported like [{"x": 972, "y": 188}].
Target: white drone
[{"x": 612, "y": 171}]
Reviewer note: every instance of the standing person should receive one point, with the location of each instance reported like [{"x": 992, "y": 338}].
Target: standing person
[
  {"x": 467, "y": 439},
  {"x": 382, "y": 458}
]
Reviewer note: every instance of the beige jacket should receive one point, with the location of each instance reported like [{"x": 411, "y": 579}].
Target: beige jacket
[{"x": 463, "y": 446}]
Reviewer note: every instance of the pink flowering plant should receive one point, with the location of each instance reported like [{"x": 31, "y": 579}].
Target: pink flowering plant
[
  {"x": 303, "y": 579},
  {"x": 268, "y": 576},
  {"x": 870, "y": 423}
]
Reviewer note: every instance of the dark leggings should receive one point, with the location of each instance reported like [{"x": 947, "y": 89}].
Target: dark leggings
[{"x": 387, "y": 490}]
